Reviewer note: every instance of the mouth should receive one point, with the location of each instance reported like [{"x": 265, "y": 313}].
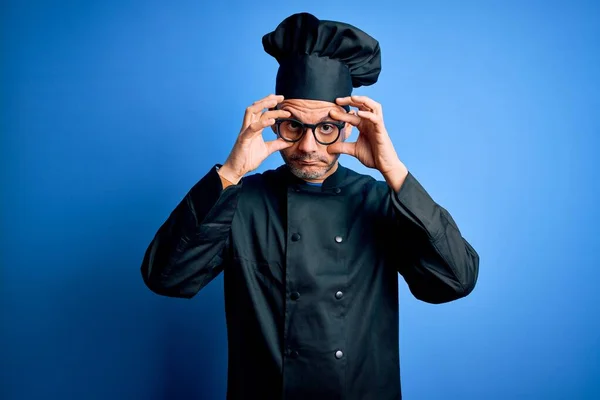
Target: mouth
[{"x": 307, "y": 163}]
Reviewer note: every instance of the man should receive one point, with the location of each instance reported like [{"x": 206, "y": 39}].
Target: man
[{"x": 311, "y": 251}]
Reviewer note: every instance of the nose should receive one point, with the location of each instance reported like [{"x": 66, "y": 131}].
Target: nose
[{"x": 308, "y": 144}]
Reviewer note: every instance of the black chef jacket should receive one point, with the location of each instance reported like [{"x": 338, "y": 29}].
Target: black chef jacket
[{"x": 310, "y": 276}]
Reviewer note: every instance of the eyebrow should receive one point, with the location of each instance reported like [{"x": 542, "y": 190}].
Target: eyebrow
[{"x": 324, "y": 119}]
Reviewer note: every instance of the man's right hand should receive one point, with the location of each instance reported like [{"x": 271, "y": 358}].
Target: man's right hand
[{"x": 250, "y": 149}]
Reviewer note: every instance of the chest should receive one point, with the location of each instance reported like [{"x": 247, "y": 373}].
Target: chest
[{"x": 308, "y": 235}]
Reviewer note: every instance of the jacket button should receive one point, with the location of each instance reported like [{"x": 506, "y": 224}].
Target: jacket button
[
  {"x": 339, "y": 354},
  {"x": 294, "y": 354},
  {"x": 295, "y": 296},
  {"x": 337, "y": 190},
  {"x": 339, "y": 295},
  {"x": 295, "y": 237},
  {"x": 338, "y": 239}
]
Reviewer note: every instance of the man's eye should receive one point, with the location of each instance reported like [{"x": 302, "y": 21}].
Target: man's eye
[
  {"x": 326, "y": 128},
  {"x": 294, "y": 125}
]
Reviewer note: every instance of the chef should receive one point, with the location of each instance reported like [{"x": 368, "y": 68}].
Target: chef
[{"x": 311, "y": 251}]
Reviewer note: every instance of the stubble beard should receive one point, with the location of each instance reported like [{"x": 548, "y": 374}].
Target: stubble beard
[{"x": 304, "y": 173}]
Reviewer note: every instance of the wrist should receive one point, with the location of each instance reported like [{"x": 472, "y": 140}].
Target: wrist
[
  {"x": 229, "y": 174},
  {"x": 396, "y": 175}
]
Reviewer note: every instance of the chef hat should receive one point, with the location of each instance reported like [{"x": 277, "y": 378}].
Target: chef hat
[{"x": 321, "y": 60}]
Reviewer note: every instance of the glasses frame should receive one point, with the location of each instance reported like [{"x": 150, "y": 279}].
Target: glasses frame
[{"x": 313, "y": 128}]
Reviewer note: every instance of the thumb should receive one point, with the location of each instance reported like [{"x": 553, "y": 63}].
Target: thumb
[
  {"x": 277, "y": 145},
  {"x": 342, "y": 147}
]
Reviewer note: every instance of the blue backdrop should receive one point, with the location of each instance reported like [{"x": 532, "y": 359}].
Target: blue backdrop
[{"x": 112, "y": 110}]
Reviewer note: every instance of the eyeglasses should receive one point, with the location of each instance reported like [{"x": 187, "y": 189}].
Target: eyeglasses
[{"x": 292, "y": 130}]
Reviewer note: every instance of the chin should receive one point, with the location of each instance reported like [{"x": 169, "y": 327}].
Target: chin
[
  {"x": 301, "y": 171},
  {"x": 309, "y": 171}
]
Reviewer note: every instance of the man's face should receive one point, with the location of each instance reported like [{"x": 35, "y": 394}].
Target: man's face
[{"x": 307, "y": 158}]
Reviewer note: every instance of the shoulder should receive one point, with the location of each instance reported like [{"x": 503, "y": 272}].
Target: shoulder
[
  {"x": 365, "y": 183},
  {"x": 261, "y": 182},
  {"x": 354, "y": 177},
  {"x": 261, "y": 178}
]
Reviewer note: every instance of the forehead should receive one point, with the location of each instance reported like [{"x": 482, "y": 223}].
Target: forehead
[{"x": 309, "y": 107}]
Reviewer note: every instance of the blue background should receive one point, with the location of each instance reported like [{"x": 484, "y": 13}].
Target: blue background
[{"x": 111, "y": 110}]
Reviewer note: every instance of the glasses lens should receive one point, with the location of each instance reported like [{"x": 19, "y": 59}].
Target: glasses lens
[
  {"x": 327, "y": 132},
  {"x": 290, "y": 130}
]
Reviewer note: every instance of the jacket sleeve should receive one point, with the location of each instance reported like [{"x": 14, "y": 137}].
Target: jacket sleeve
[
  {"x": 189, "y": 249},
  {"x": 438, "y": 264}
]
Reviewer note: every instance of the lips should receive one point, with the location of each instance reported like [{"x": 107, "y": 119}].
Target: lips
[{"x": 307, "y": 163}]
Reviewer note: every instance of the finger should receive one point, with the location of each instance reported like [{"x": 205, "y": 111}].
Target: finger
[
  {"x": 352, "y": 103},
  {"x": 277, "y": 145},
  {"x": 256, "y": 128},
  {"x": 370, "y": 116},
  {"x": 345, "y": 117},
  {"x": 344, "y": 101},
  {"x": 342, "y": 148},
  {"x": 362, "y": 102},
  {"x": 369, "y": 103},
  {"x": 257, "y": 107},
  {"x": 268, "y": 102},
  {"x": 276, "y": 114}
]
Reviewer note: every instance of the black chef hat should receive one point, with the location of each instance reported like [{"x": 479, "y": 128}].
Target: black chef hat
[{"x": 321, "y": 60}]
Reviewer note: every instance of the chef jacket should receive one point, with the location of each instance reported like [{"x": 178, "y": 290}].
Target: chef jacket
[{"x": 311, "y": 276}]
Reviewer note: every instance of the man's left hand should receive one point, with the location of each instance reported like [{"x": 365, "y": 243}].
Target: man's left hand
[{"x": 373, "y": 147}]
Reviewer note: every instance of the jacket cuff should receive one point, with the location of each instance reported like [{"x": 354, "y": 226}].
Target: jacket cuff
[
  {"x": 415, "y": 205},
  {"x": 205, "y": 194}
]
